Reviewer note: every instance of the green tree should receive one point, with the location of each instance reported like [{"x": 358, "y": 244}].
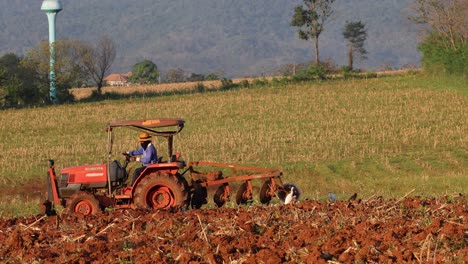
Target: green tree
[
  {"x": 77, "y": 63},
  {"x": 145, "y": 72},
  {"x": 438, "y": 58},
  {"x": 8, "y": 67},
  {"x": 445, "y": 48},
  {"x": 17, "y": 86},
  {"x": 3, "y": 92},
  {"x": 69, "y": 72},
  {"x": 448, "y": 19},
  {"x": 356, "y": 34},
  {"x": 310, "y": 19}
]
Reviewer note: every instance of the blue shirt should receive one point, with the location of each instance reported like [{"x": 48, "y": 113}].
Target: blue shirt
[{"x": 150, "y": 155}]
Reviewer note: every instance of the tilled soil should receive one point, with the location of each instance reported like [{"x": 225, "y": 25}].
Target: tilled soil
[{"x": 410, "y": 230}]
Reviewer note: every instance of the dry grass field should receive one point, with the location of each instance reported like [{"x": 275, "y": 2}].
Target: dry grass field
[
  {"x": 82, "y": 93},
  {"x": 382, "y": 136}
]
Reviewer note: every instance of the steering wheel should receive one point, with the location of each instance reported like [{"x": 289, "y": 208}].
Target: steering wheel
[{"x": 126, "y": 155}]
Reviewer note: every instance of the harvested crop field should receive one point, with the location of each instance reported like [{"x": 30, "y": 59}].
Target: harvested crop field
[{"x": 371, "y": 230}]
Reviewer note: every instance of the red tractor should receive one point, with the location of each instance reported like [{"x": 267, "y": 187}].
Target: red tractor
[{"x": 89, "y": 189}]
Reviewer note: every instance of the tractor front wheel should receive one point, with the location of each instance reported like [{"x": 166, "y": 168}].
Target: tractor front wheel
[
  {"x": 83, "y": 203},
  {"x": 160, "y": 191}
]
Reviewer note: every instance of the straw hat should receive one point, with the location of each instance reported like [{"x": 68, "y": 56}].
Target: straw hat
[{"x": 144, "y": 137}]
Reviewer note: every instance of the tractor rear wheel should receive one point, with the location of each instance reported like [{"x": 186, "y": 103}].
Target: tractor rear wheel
[
  {"x": 160, "y": 190},
  {"x": 187, "y": 190},
  {"x": 83, "y": 203}
]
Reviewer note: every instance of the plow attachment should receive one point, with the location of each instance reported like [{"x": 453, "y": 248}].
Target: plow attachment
[{"x": 272, "y": 183}]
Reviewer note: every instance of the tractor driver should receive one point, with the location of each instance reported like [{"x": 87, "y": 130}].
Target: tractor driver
[{"x": 148, "y": 153}]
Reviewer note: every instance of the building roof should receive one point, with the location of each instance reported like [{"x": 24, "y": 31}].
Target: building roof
[{"x": 117, "y": 77}]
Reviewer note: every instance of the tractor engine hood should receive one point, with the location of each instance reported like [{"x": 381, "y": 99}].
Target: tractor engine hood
[
  {"x": 85, "y": 174},
  {"x": 90, "y": 177}
]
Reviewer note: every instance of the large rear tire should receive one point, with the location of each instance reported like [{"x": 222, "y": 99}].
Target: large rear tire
[
  {"x": 83, "y": 203},
  {"x": 187, "y": 190},
  {"x": 160, "y": 190}
]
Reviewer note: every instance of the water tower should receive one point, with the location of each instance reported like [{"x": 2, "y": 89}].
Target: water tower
[{"x": 51, "y": 8}]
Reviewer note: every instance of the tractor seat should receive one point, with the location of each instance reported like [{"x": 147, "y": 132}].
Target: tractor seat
[{"x": 117, "y": 173}]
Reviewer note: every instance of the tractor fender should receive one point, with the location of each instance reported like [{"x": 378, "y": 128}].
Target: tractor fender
[{"x": 171, "y": 168}]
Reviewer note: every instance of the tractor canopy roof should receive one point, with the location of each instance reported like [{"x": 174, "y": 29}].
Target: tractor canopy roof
[{"x": 154, "y": 126}]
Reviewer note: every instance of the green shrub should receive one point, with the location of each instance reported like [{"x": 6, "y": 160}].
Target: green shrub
[
  {"x": 349, "y": 74},
  {"x": 346, "y": 69},
  {"x": 311, "y": 73},
  {"x": 282, "y": 81},
  {"x": 227, "y": 84},
  {"x": 359, "y": 75},
  {"x": 244, "y": 84},
  {"x": 200, "y": 87},
  {"x": 370, "y": 74},
  {"x": 260, "y": 82},
  {"x": 440, "y": 56}
]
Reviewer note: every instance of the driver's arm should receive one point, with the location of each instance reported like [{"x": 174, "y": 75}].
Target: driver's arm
[{"x": 135, "y": 152}]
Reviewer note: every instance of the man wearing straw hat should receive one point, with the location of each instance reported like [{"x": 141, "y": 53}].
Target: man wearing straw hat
[{"x": 148, "y": 154}]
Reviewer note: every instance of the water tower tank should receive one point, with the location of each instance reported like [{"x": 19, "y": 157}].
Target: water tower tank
[{"x": 51, "y": 6}]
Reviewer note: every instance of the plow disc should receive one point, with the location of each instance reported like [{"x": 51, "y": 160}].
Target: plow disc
[
  {"x": 267, "y": 191},
  {"x": 222, "y": 195},
  {"x": 244, "y": 194}
]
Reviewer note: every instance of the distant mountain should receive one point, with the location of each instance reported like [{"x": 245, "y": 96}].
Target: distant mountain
[{"x": 238, "y": 37}]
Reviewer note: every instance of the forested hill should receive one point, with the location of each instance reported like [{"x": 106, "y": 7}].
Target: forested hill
[{"x": 239, "y": 37}]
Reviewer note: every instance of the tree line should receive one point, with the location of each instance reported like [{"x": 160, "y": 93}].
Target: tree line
[
  {"x": 24, "y": 80},
  {"x": 444, "y": 49},
  {"x": 147, "y": 72}
]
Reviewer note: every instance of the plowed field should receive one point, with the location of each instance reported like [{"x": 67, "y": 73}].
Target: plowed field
[{"x": 374, "y": 230}]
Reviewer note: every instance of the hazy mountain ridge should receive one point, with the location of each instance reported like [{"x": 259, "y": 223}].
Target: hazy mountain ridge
[{"x": 238, "y": 37}]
